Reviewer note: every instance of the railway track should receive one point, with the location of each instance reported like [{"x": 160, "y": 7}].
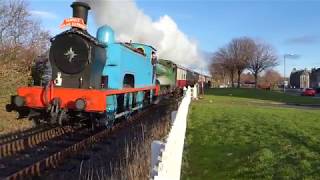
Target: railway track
[
  {"x": 16, "y": 143},
  {"x": 45, "y": 155},
  {"x": 20, "y": 134}
]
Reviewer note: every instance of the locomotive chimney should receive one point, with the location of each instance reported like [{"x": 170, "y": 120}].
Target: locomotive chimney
[{"x": 80, "y": 10}]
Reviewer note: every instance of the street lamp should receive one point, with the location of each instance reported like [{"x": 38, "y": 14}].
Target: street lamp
[{"x": 292, "y": 56}]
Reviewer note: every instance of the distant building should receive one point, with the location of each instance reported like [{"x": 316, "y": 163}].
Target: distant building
[
  {"x": 300, "y": 78},
  {"x": 315, "y": 78},
  {"x": 305, "y": 79}
]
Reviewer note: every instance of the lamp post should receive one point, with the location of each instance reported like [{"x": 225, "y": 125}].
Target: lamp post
[
  {"x": 293, "y": 56},
  {"x": 284, "y": 73}
]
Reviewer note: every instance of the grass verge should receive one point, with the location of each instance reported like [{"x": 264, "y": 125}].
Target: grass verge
[
  {"x": 10, "y": 79},
  {"x": 233, "y": 137},
  {"x": 265, "y": 95}
]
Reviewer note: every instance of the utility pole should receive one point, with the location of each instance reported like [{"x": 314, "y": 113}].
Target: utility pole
[{"x": 284, "y": 73}]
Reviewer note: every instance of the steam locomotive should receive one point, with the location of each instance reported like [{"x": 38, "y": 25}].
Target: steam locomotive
[{"x": 94, "y": 79}]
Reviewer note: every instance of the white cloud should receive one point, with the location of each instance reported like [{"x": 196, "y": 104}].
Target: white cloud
[
  {"x": 43, "y": 14},
  {"x": 131, "y": 23}
]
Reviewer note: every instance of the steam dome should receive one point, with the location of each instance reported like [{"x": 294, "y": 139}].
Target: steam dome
[{"x": 105, "y": 35}]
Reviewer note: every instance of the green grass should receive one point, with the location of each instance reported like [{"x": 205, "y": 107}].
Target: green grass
[
  {"x": 240, "y": 136},
  {"x": 266, "y": 95},
  {"x": 8, "y": 120},
  {"x": 10, "y": 79}
]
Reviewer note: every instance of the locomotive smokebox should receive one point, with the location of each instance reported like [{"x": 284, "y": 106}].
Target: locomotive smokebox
[{"x": 80, "y": 10}]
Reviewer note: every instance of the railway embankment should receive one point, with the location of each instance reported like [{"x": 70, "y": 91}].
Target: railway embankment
[
  {"x": 11, "y": 77},
  {"x": 124, "y": 155}
]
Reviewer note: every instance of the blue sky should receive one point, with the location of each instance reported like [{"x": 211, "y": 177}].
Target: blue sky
[{"x": 289, "y": 26}]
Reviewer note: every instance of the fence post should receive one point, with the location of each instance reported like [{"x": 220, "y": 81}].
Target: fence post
[
  {"x": 195, "y": 92},
  {"x": 156, "y": 150},
  {"x": 173, "y": 116}
]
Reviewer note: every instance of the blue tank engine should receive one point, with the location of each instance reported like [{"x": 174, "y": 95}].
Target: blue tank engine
[{"x": 95, "y": 78}]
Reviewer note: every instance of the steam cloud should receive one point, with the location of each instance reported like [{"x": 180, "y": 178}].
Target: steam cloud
[{"x": 130, "y": 23}]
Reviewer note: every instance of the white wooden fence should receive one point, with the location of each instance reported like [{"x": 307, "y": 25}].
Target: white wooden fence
[{"x": 167, "y": 157}]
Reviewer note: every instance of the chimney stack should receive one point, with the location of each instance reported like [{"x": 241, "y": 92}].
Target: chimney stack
[{"x": 80, "y": 10}]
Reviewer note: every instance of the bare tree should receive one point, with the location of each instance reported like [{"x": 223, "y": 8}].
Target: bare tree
[
  {"x": 245, "y": 53},
  {"x": 241, "y": 51},
  {"x": 247, "y": 78},
  {"x": 271, "y": 77},
  {"x": 218, "y": 73},
  {"x": 235, "y": 57},
  {"x": 263, "y": 58},
  {"x": 226, "y": 61},
  {"x": 21, "y": 37}
]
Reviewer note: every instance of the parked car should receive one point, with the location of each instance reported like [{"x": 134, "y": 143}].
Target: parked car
[
  {"x": 309, "y": 92},
  {"x": 317, "y": 90}
]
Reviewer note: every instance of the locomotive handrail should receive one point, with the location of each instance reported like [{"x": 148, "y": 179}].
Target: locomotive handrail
[{"x": 132, "y": 49}]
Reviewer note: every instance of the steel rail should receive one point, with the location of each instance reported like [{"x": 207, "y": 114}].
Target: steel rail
[
  {"x": 6, "y": 138},
  {"x": 53, "y": 160},
  {"x": 26, "y": 142}
]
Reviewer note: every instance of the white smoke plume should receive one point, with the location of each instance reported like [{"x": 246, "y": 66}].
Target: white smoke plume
[{"x": 130, "y": 23}]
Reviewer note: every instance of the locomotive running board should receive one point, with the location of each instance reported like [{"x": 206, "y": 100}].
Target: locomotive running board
[
  {"x": 38, "y": 97},
  {"x": 126, "y": 112}
]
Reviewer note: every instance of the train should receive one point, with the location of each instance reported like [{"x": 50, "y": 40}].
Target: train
[
  {"x": 96, "y": 79},
  {"x": 173, "y": 77}
]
